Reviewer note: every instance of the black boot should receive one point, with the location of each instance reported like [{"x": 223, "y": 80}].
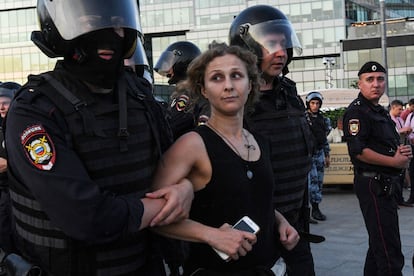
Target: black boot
[
  {"x": 410, "y": 200},
  {"x": 316, "y": 213}
]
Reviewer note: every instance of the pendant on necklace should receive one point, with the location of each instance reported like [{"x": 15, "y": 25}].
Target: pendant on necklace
[{"x": 249, "y": 174}]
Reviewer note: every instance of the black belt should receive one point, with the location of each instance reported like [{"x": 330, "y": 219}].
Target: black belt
[
  {"x": 369, "y": 174},
  {"x": 366, "y": 173},
  {"x": 373, "y": 173}
]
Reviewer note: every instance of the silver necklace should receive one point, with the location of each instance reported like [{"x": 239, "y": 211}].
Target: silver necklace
[{"x": 248, "y": 146}]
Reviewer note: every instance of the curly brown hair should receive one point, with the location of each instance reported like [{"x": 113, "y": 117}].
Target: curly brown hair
[{"x": 197, "y": 68}]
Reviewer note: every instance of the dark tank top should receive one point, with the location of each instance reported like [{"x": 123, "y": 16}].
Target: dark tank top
[{"x": 229, "y": 196}]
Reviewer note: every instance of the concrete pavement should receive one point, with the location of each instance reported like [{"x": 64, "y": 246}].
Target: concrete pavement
[{"x": 343, "y": 252}]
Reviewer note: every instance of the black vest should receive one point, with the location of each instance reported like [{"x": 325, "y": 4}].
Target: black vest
[
  {"x": 120, "y": 144},
  {"x": 280, "y": 117}
]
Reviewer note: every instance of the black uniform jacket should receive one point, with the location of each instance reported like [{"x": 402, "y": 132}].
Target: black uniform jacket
[
  {"x": 369, "y": 126},
  {"x": 41, "y": 158}
]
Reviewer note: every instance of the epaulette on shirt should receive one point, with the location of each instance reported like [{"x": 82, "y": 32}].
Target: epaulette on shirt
[
  {"x": 30, "y": 90},
  {"x": 357, "y": 102}
]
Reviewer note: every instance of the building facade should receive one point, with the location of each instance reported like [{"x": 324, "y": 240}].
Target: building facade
[{"x": 333, "y": 48}]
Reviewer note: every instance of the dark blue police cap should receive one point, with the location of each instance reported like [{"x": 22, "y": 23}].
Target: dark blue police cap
[
  {"x": 371, "y": 66},
  {"x": 7, "y": 89}
]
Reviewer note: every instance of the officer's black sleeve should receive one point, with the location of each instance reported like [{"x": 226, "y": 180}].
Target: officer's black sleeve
[
  {"x": 356, "y": 130},
  {"x": 66, "y": 193}
]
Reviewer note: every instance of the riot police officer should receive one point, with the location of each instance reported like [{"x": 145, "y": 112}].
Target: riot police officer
[
  {"x": 279, "y": 115},
  {"x": 378, "y": 159},
  {"x": 184, "y": 114},
  {"x": 320, "y": 157},
  {"x": 83, "y": 142}
]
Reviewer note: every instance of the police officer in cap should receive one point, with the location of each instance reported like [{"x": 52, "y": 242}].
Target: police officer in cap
[
  {"x": 83, "y": 142},
  {"x": 279, "y": 115},
  {"x": 183, "y": 113},
  {"x": 378, "y": 159},
  {"x": 7, "y": 90}
]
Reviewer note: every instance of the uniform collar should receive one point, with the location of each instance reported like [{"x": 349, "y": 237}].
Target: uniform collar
[{"x": 376, "y": 108}]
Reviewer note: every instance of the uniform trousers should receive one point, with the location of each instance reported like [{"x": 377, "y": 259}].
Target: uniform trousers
[
  {"x": 315, "y": 176},
  {"x": 299, "y": 260},
  {"x": 384, "y": 256}
]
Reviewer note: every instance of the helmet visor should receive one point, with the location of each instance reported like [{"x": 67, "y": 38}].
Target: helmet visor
[
  {"x": 139, "y": 57},
  {"x": 273, "y": 35},
  {"x": 166, "y": 62},
  {"x": 77, "y": 17}
]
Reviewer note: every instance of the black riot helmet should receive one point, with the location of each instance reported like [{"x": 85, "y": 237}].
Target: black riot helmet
[
  {"x": 251, "y": 27},
  {"x": 139, "y": 62},
  {"x": 176, "y": 57},
  {"x": 63, "y": 21},
  {"x": 314, "y": 95}
]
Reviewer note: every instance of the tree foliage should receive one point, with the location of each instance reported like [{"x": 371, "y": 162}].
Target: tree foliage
[{"x": 334, "y": 114}]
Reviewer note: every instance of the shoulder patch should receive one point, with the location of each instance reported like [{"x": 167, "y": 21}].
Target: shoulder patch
[
  {"x": 39, "y": 148},
  {"x": 181, "y": 102},
  {"x": 353, "y": 127}
]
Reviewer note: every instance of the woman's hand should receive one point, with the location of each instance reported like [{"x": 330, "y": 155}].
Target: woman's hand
[{"x": 233, "y": 242}]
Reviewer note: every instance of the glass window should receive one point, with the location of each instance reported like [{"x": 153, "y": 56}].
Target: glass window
[
  {"x": 338, "y": 9},
  {"x": 351, "y": 60},
  {"x": 329, "y": 36},
  {"x": 317, "y": 10},
  {"x": 168, "y": 18},
  {"x": 34, "y": 60},
  {"x": 376, "y": 54},
  {"x": 309, "y": 63},
  {"x": 285, "y": 9},
  {"x": 318, "y": 39},
  {"x": 307, "y": 39},
  {"x": 25, "y": 62},
  {"x": 295, "y": 10},
  {"x": 399, "y": 56},
  {"x": 183, "y": 16},
  {"x": 410, "y": 56},
  {"x": 401, "y": 81},
  {"x": 363, "y": 56},
  {"x": 8, "y": 64},
  {"x": 4, "y": 19},
  {"x": 410, "y": 83},
  {"x": 13, "y": 18},
  {"x": 2, "y": 70},
  {"x": 306, "y": 12}
]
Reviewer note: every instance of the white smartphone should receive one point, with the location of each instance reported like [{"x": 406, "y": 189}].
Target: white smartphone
[
  {"x": 244, "y": 224},
  {"x": 247, "y": 224}
]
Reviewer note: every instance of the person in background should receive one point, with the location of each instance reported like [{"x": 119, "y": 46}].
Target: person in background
[
  {"x": 230, "y": 169},
  {"x": 173, "y": 64},
  {"x": 408, "y": 109},
  {"x": 279, "y": 115},
  {"x": 379, "y": 159},
  {"x": 336, "y": 134},
  {"x": 7, "y": 91},
  {"x": 396, "y": 108},
  {"x": 320, "y": 157},
  {"x": 83, "y": 143},
  {"x": 409, "y": 122}
]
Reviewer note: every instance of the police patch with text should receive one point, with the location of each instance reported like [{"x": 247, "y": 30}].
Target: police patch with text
[
  {"x": 39, "y": 148},
  {"x": 354, "y": 127}
]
